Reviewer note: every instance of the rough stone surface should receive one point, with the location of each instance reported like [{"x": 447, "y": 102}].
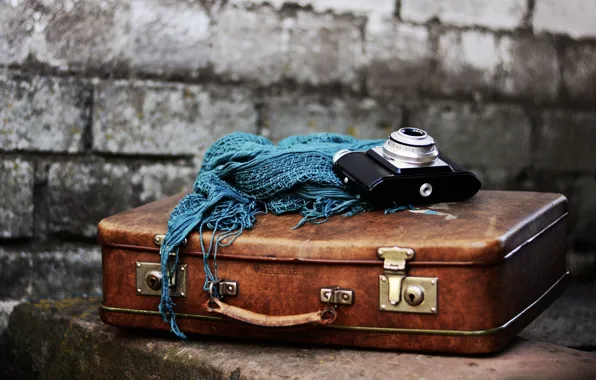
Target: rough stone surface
[
  {"x": 489, "y": 135},
  {"x": 530, "y": 68},
  {"x": 496, "y": 178},
  {"x": 154, "y": 182},
  {"x": 399, "y": 57},
  {"x": 66, "y": 339},
  {"x": 6, "y": 308},
  {"x": 81, "y": 194},
  {"x": 153, "y": 118},
  {"x": 43, "y": 114},
  {"x": 562, "y": 132},
  {"x": 582, "y": 209},
  {"x": 569, "y": 321},
  {"x": 323, "y": 49},
  {"x": 168, "y": 37},
  {"x": 335, "y": 6},
  {"x": 504, "y": 14},
  {"x": 54, "y": 271},
  {"x": 572, "y": 17},
  {"x": 15, "y": 28},
  {"x": 82, "y": 35},
  {"x": 468, "y": 62},
  {"x": 238, "y": 50},
  {"x": 579, "y": 72},
  {"x": 292, "y": 114},
  {"x": 16, "y": 198}
]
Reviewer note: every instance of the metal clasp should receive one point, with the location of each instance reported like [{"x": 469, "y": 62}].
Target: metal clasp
[
  {"x": 420, "y": 292},
  {"x": 337, "y": 296},
  {"x": 149, "y": 280}
]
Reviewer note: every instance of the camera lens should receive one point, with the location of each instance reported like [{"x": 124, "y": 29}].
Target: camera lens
[
  {"x": 411, "y": 145},
  {"x": 413, "y": 132}
]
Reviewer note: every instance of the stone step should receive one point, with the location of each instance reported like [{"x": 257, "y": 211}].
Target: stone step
[{"x": 66, "y": 340}]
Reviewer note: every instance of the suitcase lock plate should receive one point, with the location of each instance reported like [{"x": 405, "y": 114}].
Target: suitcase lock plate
[
  {"x": 149, "y": 280},
  {"x": 401, "y": 293}
]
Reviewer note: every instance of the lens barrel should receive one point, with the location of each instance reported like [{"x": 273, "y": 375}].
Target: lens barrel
[{"x": 411, "y": 145}]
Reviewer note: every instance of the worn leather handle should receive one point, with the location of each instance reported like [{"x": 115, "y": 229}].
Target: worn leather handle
[{"x": 321, "y": 317}]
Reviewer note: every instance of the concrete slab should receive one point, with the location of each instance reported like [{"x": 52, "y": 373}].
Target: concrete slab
[
  {"x": 66, "y": 339},
  {"x": 570, "y": 321}
]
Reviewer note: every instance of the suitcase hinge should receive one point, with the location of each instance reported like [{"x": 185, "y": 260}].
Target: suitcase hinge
[{"x": 419, "y": 293}]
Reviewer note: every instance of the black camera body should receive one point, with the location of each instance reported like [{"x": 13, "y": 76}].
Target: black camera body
[{"x": 407, "y": 170}]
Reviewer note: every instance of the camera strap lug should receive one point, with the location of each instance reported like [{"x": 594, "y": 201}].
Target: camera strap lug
[{"x": 400, "y": 293}]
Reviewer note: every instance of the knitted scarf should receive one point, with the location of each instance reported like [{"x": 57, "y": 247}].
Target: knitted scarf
[{"x": 244, "y": 175}]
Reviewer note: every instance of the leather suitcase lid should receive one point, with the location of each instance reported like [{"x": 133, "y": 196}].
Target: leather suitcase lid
[{"x": 480, "y": 231}]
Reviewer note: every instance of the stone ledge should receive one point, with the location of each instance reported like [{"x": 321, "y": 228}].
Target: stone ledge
[{"x": 66, "y": 339}]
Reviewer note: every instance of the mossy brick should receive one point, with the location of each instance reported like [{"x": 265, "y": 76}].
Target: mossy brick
[
  {"x": 145, "y": 117},
  {"x": 295, "y": 114},
  {"x": 238, "y": 51},
  {"x": 579, "y": 72},
  {"x": 16, "y": 198},
  {"x": 572, "y": 17},
  {"x": 477, "y": 134},
  {"x": 324, "y": 49},
  {"x": 49, "y": 271},
  {"x": 529, "y": 68},
  {"x": 80, "y": 194},
  {"x": 467, "y": 62},
  {"x": 565, "y": 141},
  {"x": 15, "y": 33},
  {"x": 167, "y": 37},
  {"x": 157, "y": 181},
  {"x": 43, "y": 114},
  {"x": 81, "y": 35},
  {"x": 66, "y": 339},
  {"x": 504, "y": 14}
]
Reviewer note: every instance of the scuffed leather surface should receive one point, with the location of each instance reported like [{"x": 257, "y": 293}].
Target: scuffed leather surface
[{"x": 484, "y": 230}]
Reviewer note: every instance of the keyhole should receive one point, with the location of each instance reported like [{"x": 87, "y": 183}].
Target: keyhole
[
  {"x": 414, "y": 295},
  {"x": 153, "y": 280}
]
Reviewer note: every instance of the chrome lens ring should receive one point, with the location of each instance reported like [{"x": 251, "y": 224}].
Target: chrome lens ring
[{"x": 411, "y": 145}]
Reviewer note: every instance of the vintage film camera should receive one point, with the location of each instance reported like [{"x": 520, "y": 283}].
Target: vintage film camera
[{"x": 407, "y": 170}]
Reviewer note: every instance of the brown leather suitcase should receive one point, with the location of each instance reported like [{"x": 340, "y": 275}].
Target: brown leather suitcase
[{"x": 460, "y": 278}]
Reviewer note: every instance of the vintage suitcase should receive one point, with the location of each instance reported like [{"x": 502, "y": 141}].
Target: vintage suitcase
[{"x": 460, "y": 278}]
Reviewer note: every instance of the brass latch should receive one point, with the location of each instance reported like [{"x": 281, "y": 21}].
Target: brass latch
[
  {"x": 337, "y": 296},
  {"x": 397, "y": 291},
  {"x": 158, "y": 240}
]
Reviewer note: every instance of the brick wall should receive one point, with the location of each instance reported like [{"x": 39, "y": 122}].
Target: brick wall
[{"x": 106, "y": 105}]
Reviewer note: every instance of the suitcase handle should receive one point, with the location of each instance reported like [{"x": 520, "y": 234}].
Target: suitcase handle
[{"x": 321, "y": 317}]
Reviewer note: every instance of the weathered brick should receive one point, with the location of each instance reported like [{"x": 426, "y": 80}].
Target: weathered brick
[
  {"x": 6, "y": 307},
  {"x": 468, "y": 62},
  {"x": 486, "y": 135},
  {"x": 566, "y": 141},
  {"x": 15, "y": 32},
  {"x": 56, "y": 271},
  {"x": 154, "y": 118},
  {"x": 16, "y": 198},
  {"x": 82, "y": 35},
  {"x": 572, "y": 17},
  {"x": 238, "y": 48},
  {"x": 43, "y": 114},
  {"x": 154, "y": 182},
  {"x": 496, "y": 178},
  {"x": 323, "y": 49},
  {"x": 353, "y": 6},
  {"x": 530, "y": 68},
  {"x": 292, "y": 114},
  {"x": 579, "y": 72},
  {"x": 399, "y": 57},
  {"x": 81, "y": 194},
  {"x": 582, "y": 209},
  {"x": 504, "y": 14},
  {"x": 168, "y": 36}
]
